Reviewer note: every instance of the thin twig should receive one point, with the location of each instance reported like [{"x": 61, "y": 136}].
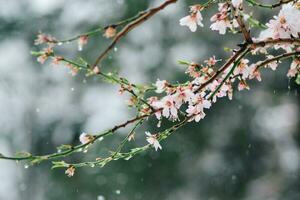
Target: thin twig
[
  {"x": 131, "y": 26},
  {"x": 281, "y": 2}
]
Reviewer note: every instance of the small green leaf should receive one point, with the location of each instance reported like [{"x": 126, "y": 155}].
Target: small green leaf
[
  {"x": 59, "y": 164},
  {"x": 183, "y": 62},
  {"x": 227, "y": 49},
  {"x": 36, "y": 53}
]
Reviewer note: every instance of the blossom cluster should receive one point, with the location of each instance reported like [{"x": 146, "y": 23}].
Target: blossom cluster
[
  {"x": 199, "y": 93},
  {"x": 285, "y": 25},
  {"x": 221, "y": 20}
]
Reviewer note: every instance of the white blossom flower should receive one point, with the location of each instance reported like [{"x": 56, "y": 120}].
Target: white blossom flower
[
  {"x": 152, "y": 139},
  {"x": 273, "y": 65},
  {"x": 243, "y": 85},
  {"x": 294, "y": 68},
  {"x": 236, "y": 3},
  {"x": 96, "y": 70},
  {"x": 192, "y": 20},
  {"x": 182, "y": 95},
  {"x": 221, "y": 20},
  {"x": 195, "y": 112},
  {"x": 85, "y": 138},
  {"x": 160, "y": 86},
  {"x": 242, "y": 69},
  {"x": 200, "y": 100},
  {"x": 168, "y": 107}
]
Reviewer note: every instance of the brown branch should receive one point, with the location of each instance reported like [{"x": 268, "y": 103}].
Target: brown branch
[
  {"x": 131, "y": 26},
  {"x": 245, "y": 31},
  {"x": 224, "y": 67},
  {"x": 243, "y": 48},
  {"x": 276, "y": 59},
  {"x": 275, "y": 41}
]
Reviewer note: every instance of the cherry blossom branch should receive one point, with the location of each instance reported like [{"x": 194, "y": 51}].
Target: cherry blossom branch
[
  {"x": 224, "y": 67},
  {"x": 72, "y": 149},
  {"x": 207, "y": 85},
  {"x": 120, "y": 155},
  {"x": 267, "y": 42},
  {"x": 96, "y": 72},
  {"x": 276, "y": 59},
  {"x": 235, "y": 58},
  {"x": 52, "y": 40},
  {"x": 146, "y": 15},
  {"x": 235, "y": 64}
]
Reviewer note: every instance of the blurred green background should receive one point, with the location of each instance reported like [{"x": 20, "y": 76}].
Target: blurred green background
[{"x": 247, "y": 148}]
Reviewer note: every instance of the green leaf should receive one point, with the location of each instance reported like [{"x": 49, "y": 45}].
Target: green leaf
[
  {"x": 36, "y": 53},
  {"x": 183, "y": 62},
  {"x": 59, "y": 164},
  {"x": 227, "y": 49}
]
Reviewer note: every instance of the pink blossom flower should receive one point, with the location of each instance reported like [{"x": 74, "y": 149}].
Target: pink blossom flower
[
  {"x": 254, "y": 73},
  {"x": 70, "y": 171},
  {"x": 43, "y": 38},
  {"x": 73, "y": 69},
  {"x": 195, "y": 112},
  {"x": 57, "y": 59},
  {"x": 42, "y": 58},
  {"x": 45, "y": 54},
  {"x": 168, "y": 107},
  {"x": 182, "y": 95},
  {"x": 211, "y": 61},
  {"x": 152, "y": 140}
]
